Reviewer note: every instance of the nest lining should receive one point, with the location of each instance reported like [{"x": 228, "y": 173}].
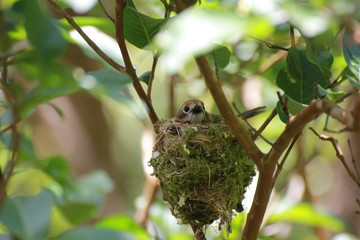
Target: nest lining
[{"x": 203, "y": 171}]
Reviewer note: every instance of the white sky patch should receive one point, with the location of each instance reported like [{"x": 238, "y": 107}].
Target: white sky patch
[{"x": 81, "y": 6}]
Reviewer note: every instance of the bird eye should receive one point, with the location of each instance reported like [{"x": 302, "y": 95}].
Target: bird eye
[{"x": 186, "y": 109}]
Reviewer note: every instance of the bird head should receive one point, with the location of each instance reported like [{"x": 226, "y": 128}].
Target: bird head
[{"x": 192, "y": 111}]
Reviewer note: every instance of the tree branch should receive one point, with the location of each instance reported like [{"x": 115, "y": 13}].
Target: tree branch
[
  {"x": 120, "y": 38},
  {"x": 339, "y": 154}
]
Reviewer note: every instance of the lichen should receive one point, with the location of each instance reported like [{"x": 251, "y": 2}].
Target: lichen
[{"x": 203, "y": 171}]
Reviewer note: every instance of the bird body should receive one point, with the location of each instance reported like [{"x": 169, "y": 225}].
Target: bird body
[{"x": 193, "y": 112}]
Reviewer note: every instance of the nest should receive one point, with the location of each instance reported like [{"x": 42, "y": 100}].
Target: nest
[{"x": 203, "y": 171}]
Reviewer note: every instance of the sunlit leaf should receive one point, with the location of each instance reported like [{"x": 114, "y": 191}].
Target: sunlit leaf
[
  {"x": 124, "y": 224},
  {"x": 27, "y": 217},
  {"x": 184, "y": 36},
  {"x": 307, "y": 214},
  {"x": 199, "y": 31},
  {"x": 140, "y": 29},
  {"x": 94, "y": 234}
]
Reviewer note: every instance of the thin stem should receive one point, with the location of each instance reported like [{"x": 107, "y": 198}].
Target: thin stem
[
  {"x": 292, "y": 36},
  {"x": 265, "y": 124},
  {"x": 152, "y": 76},
  {"x": 106, "y": 13},
  {"x": 353, "y": 160},
  {"x": 281, "y": 164},
  {"x": 339, "y": 154},
  {"x": 71, "y": 21}
]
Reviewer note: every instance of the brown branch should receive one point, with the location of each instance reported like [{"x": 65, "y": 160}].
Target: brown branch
[
  {"x": 90, "y": 42},
  {"x": 120, "y": 38},
  {"x": 152, "y": 76},
  {"x": 264, "y": 185},
  {"x": 339, "y": 154},
  {"x": 232, "y": 121}
]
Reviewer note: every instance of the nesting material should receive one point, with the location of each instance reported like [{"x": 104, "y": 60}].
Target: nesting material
[{"x": 203, "y": 171}]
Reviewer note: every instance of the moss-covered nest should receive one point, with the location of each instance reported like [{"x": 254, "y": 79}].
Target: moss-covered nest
[{"x": 203, "y": 171}]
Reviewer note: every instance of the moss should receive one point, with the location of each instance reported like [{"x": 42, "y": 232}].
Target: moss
[{"x": 203, "y": 171}]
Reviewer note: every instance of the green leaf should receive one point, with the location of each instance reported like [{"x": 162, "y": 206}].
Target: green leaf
[
  {"x": 108, "y": 82},
  {"x": 140, "y": 29},
  {"x": 58, "y": 168},
  {"x": 280, "y": 111},
  {"x": 78, "y": 212},
  {"x": 306, "y": 214},
  {"x": 145, "y": 77},
  {"x": 94, "y": 234},
  {"x": 220, "y": 55},
  {"x": 28, "y": 217},
  {"x": 42, "y": 94},
  {"x": 124, "y": 224},
  {"x": 41, "y": 31},
  {"x": 299, "y": 80},
  {"x": 351, "y": 50},
  {"x": 81, "y": 202},
  {"x": 331, "y": 94}
]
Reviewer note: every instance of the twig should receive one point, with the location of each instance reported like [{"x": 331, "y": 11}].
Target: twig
[
  {"x": 90, "y": 42},
  {"x": 339, "y": 154},
  {"x": 251, "y": 127},
  {"x": 172, "y": 96},
  {"x": 272, "y": 46},
  {"x": 8, "y": 127},
  {"x": 152, "y": 76},
  {"x": 353, "y": 160},
  {"x": 265, "y": 124},
  {"x": 281, "y": 164},
  {"x": 216, "y": 65},
  {"x": 120, "y": 38},
  {"x": 106, "y": 13},
  {"x": 15, "y": 134}
]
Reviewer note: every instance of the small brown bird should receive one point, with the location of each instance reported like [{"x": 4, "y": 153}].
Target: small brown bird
[{"x": 193, "y": 112}]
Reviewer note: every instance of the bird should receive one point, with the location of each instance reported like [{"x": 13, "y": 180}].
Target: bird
[{"x": 193, "y": 112}]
